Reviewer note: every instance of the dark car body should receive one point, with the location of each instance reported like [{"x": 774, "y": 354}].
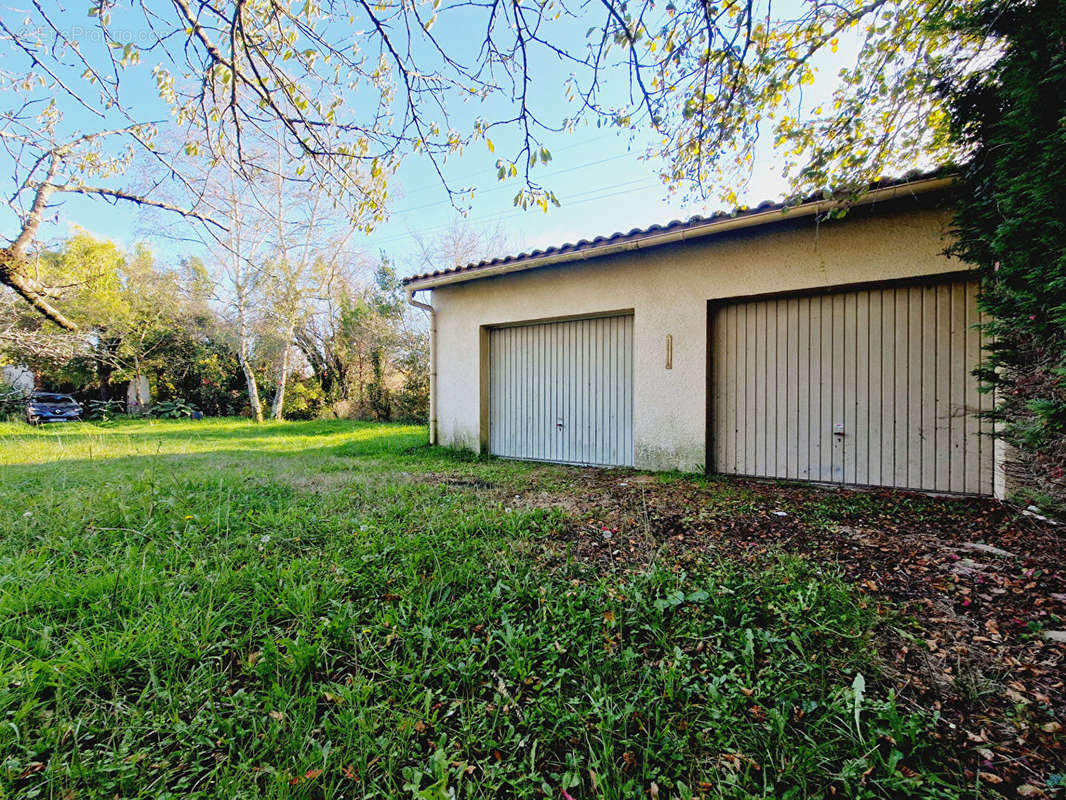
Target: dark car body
[{"x": 49, "y": 407}]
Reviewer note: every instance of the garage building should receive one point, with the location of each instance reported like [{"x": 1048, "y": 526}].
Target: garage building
[{"x": 772, "y": 342}]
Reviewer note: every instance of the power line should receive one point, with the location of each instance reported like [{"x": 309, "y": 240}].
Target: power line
[
  {"x": 502, "y": 187},
  {"x": 578, "y": 199},
  {"x": 480, "y": 173},
  {"x": 595, "y": 195}
]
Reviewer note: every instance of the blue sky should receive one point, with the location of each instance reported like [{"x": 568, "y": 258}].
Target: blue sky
[
  {"x": 598, "y": 174},
  {"x": 601, "y": 180}
]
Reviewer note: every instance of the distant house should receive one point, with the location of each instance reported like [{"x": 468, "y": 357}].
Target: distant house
[
  {"x": 17, "y": 378},
  {"x": 769, "y": 342},
  {"x": 138, "y": 394}
]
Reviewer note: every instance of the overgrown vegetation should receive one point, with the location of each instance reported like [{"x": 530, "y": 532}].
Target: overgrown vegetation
[
  {"x": 220, "y": 609},
  {"x": 1011, "y": 223},
  {"x": 355, "y": 350}
]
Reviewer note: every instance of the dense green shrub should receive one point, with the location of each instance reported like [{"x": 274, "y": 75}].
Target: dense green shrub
[
  {"x": 12, "y": 401},
  {"x": 412, "y": 400},
  {"x": 1011, "y": 223},
  {"x": 205, "y": 373},
  {"x": 303, "y": 399},
  {"x": 104, "y": 410},
  {"x": 171, "y": 409}
]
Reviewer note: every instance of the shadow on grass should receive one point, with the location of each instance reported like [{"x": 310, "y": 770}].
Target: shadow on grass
[
  {"x": 86, "y": 457},
  {"x": 56, "y": 448},
  {"x": 223, "y": 428}
]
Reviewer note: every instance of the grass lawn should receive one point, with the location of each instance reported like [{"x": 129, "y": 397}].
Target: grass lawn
[{"x": 329, "y": 609}]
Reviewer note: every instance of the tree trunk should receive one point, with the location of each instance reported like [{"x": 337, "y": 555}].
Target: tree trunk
[
  {"x": 103, "y": 374},
  {"x": 253, "y": 388},
  {"x": 283, "y": 377},
  {"x": 242, "y": 355},
  {"x": 246, "y": 368},
  {"x": 13, "y": 257},
  {"x": 325, "y": 364},
  {"x": 104, "y": 356},
  {"x": 30, "y": 290},
  {"x": 360, "y": 382}
]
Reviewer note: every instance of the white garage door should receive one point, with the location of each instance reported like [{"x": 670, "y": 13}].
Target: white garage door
[
  {"x": 866, "y": 387},
  {"x": 563, "y": 391}
]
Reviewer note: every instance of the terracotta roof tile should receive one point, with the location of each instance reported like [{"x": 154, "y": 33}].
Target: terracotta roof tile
[{"x": 673, "y": 225}]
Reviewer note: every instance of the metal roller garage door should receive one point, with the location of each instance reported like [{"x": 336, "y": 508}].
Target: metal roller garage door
[
  {"x": 870, "y": 387},
  {"x": 563, "y": 391}
]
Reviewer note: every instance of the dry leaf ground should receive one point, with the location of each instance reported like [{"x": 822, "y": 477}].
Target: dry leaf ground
[{"x": 970, "y": 589}]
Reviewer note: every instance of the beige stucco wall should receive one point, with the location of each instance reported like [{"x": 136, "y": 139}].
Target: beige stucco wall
[{"x": 668, "y": 288}]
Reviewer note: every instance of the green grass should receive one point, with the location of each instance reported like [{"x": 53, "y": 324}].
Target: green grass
[
  {"x": 832, "y": 508},
  {"x": 215, "y": 609}
]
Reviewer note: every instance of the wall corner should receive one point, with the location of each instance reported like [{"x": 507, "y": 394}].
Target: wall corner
[{"x": 483, "y": 390}]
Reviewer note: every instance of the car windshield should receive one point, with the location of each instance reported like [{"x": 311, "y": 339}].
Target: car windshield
[{"x": 46, "y": 397}]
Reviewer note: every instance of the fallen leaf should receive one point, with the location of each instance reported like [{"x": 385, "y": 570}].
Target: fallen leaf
[{"x": 1016, "y": 697}]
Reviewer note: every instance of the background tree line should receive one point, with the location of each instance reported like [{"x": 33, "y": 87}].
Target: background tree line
[{"x": 353, "y": 349}]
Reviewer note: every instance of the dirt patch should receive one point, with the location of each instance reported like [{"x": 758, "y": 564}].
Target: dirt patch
[
  {"x": 980, "y": 587},
  {"x": 457, "y": 481}
]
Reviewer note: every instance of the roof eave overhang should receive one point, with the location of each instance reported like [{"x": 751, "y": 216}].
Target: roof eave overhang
[{"x": 659, "y": 238}]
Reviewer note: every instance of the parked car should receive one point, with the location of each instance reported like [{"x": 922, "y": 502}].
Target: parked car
[{"x": 49, "y": 407}]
